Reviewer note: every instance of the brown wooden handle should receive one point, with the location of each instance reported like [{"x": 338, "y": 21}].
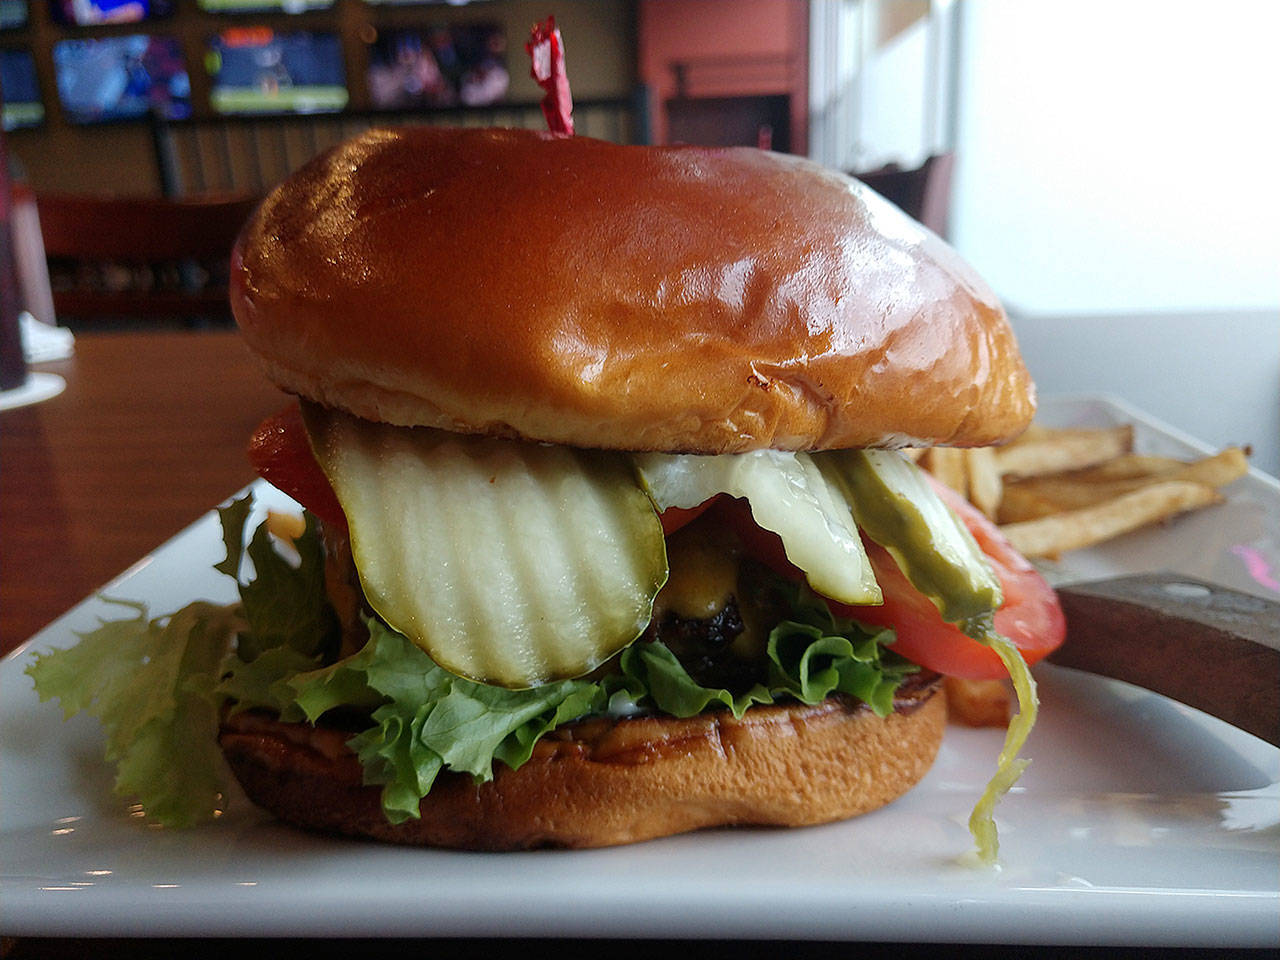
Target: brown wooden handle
[{"x": 1206, "y": 646}]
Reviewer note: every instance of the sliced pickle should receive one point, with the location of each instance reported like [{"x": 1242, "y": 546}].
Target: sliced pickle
[
  {"x": 896, "y": 507},
  {"x": 789, "y": 495},
  {"x": 509, "y": 563}
]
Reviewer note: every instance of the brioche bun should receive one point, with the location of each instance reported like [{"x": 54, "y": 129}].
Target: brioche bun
[
  {"x": 573, "y": 291},
  {"x": 605, "y": 781}
]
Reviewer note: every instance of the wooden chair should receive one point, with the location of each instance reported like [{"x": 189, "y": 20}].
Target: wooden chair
[
  {"x": 923, "y": 193},
  {"x": 145, "y": 259}
]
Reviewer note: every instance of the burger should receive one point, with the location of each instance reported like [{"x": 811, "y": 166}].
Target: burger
[{"x": 608, "y": 535}]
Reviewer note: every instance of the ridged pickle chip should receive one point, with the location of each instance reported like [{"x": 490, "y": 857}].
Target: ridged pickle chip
[
  {"x": 895, "y": 506},
  {"x": 509, "y": 563},
  {"x": 788, "y": 495}
]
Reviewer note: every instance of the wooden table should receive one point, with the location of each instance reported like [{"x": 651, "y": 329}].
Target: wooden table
[{"x": 149, "y": 434}]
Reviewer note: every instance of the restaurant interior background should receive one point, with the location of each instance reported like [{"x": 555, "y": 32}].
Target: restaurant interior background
[
  {"x": 1108, "y": 166},
  {"x": 1113, "y": 170}
]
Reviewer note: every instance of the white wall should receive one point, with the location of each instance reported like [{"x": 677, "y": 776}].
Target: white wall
[
  {"x": 895, "y": 100},
  {"x": 1117, "y": 183},
  {"x": 1121, "y": 155}
]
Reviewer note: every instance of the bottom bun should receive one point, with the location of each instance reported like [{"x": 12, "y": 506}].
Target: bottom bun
[{"x": 606, "y": 781}]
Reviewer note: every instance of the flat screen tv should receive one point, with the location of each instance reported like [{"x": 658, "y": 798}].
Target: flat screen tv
[
  {"x": 442, "y": 66},
  {"x": 20, "y": 90},
  {"x": 264, "y": 6},
  {"x": 90, "y": 13},
  {"x": 13, "y": 13},
  {"x": 260, "y": 70},
  {"x": 121, "y": 78},
  {"x": 416, "y": 3}
]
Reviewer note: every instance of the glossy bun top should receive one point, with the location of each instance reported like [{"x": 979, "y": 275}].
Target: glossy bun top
[{"x": 574, "y": 291}]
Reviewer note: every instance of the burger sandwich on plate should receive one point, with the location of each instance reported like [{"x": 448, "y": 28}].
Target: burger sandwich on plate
[{"x": 607, "y": 531}]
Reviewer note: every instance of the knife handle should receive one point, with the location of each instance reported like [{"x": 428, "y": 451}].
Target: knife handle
[{"x": 1203, "y": 645}]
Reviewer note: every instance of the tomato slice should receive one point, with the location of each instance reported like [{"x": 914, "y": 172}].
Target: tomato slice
[
  {"x": 1030, "y": 615},
  {"x": 673, "y": 518},
  {"x": 281, "y": 453}
]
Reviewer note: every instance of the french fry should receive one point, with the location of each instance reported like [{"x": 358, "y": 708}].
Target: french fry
[
  {"x": 1216, "y": 471},
  {"x": 1036, "y": 496},
  {"x": 1019, "y": 502},
  {"x": 1035, "y": 433},
  {"x": 1051, "y": 535},
  {"x": 1058, "y": 450},
  {"x": 978, "y": 703},
  {"x": 1053, "y": 490},
  {"x": 947, "y": 466},
  {"x": 985, "y": 483},
  {"x": 1127, "y": 466}
]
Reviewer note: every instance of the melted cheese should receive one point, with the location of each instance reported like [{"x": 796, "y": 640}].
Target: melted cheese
[{"x": 703, "y": 574}]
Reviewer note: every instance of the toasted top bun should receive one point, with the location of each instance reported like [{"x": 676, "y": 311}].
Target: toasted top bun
[{"x": 574, "y": 291}]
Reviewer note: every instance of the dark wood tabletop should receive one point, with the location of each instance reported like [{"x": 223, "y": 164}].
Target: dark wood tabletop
[{"x": 149, "y": 434}]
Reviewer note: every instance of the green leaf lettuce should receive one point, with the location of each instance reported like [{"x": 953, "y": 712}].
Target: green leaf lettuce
[
  {"x": 151, "y": 685},
  {"x": 157, "y": 685}
]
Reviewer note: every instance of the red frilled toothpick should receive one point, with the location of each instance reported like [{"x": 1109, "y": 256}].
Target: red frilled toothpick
[{"x": 546, "y": 50}]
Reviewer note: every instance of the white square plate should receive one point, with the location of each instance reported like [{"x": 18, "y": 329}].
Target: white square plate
[{"x": 1140, "y": 822}]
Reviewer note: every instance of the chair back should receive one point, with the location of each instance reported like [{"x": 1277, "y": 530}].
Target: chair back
[
  {"x": 923, "y": 192},
  {"x": 143, "y": 257}
]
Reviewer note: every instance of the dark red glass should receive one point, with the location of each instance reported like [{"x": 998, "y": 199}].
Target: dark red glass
[{"x": 13, "y": 365}]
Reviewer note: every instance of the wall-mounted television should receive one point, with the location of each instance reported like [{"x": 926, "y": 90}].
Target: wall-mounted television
[
  {"x": 13, "y": 13},
  {"x": 416, "y": 3},
  {"x": 90, "y": 13},
  {"x": 121, "y": 78},
  {"x": 264, "y": 6},
  {"x": 20, "y": 90},
  {"x": 260, "y": 70},
  {"x": 441, "y": 66}
]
